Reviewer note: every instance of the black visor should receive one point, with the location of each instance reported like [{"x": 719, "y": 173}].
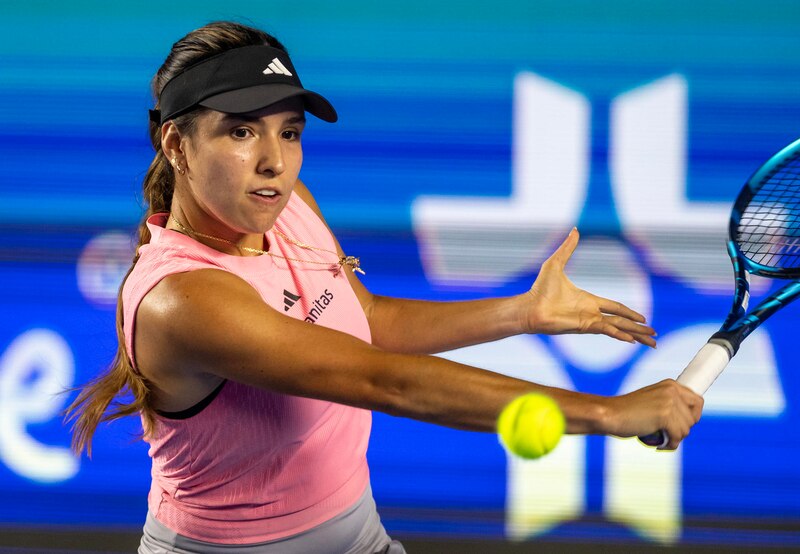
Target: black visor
[{"x": 239, "y": 81}]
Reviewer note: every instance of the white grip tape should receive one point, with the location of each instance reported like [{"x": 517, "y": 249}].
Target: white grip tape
[
  {"x": 699, "y": 375},
  {"x": 705, "y": 367}
]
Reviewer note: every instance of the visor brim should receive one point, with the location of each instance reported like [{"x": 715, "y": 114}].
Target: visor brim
[{"x": 261, "y": 96}]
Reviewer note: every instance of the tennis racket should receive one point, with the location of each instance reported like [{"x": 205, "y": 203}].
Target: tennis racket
[{"x": 763, "y": 239}]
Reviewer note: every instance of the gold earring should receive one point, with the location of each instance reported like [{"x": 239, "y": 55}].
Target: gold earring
[{"x": 178, "y": 165}]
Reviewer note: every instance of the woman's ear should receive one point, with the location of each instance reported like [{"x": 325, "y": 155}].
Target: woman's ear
[
  {"x": 171, "y": 144},
  {"x": 171, "y": 140}
]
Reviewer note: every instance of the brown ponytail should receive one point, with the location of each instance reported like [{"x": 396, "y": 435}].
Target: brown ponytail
[{"x": 98, "y": 400}]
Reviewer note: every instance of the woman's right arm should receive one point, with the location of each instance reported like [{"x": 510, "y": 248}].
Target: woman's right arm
[{"x": 210, "y": 322}]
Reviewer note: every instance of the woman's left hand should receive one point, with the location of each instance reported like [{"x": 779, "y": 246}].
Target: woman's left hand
[{"x": 554, "y": 305}]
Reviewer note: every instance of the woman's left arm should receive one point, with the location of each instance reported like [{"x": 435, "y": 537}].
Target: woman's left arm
[{"x": 553, "y": 305}]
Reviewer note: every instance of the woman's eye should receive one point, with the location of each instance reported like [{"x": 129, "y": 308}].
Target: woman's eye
[
  {"x": 291, "y": 135},
  {"x": 240, "y": 133}
]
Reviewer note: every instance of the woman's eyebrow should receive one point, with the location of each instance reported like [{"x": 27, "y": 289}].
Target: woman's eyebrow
[{"x": 252, "y": 118}]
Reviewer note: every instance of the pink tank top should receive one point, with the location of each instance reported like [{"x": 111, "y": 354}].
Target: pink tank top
[{"x": 255, "y": 465}]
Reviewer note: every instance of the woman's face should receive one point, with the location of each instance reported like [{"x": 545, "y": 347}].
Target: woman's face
[{"x": 241, "y": 168}]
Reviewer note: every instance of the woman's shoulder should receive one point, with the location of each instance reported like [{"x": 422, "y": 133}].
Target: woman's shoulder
[{"x": 167, "y": 253}]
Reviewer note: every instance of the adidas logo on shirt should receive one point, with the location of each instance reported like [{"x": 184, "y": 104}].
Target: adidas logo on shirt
[
  {"x": 275, "y": 66},
  {"x": 289, "y": 299}
]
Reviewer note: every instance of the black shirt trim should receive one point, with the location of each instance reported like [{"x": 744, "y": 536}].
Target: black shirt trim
[{"x": 197, "y": 408}]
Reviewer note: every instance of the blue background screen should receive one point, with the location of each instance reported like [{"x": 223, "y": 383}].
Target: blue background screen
[{"x": 472, "y": 137}]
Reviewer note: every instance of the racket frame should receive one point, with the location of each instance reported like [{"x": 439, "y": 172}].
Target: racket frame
[{"x": 711, "y": 360}]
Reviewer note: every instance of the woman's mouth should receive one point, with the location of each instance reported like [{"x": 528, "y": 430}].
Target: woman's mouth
[{"x": 266, "y": 195}]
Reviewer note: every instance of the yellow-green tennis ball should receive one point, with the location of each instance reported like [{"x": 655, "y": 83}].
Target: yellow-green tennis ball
[{"x": 531, "y": 425}]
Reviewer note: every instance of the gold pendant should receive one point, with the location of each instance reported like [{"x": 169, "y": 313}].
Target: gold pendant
[{"x": 353, "y": 263}]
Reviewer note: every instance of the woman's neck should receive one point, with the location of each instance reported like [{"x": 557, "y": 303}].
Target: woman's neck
[{"x": 201, "y": 228}]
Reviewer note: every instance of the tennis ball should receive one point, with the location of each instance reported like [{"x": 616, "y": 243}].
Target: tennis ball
[{"x": 531, "y": 425}]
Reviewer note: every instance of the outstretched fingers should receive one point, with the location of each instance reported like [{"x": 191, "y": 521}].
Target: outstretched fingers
[
  {"x": 624, "y": 329},
  {"x": 644, "y": 336},
  {"x": 556, "y": 306},
  {"x": 613, "y": 307}
]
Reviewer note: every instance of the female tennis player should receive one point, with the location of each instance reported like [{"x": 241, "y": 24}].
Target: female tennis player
[{"x": 253, "y": 353}]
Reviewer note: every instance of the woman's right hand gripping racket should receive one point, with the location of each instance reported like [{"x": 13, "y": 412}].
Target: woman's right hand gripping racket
[{"x": 764, "y": 239}]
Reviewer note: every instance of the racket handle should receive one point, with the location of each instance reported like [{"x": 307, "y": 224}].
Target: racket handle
[
  {"x": 659, "y": 439},
  {"x": 699, "y": 375},
  {"x": 706, "y": 366}
]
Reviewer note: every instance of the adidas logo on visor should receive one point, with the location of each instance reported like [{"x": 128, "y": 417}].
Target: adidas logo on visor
[{"x": 275, "y": 66}]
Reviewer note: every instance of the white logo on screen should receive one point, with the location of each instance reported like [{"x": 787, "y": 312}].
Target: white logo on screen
[
  {"x": 512, "y": 236},
  {"x": 35, "y": 371}
]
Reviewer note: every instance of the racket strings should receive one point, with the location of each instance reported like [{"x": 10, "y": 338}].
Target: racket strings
[{"x": 768, "y": 231}]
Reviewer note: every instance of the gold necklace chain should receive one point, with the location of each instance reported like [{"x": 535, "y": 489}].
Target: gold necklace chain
[{"x": 352, "y": 262}]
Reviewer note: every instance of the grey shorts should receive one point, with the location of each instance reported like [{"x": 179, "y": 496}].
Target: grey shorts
[{"x": 356, "y": 531}]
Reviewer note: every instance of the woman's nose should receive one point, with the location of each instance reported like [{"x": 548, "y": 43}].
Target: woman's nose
[{"x": 271, "y": 157}]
